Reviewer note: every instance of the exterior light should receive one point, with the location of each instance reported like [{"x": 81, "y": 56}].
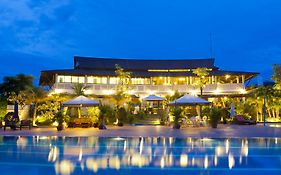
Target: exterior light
[
  {"x": 171, "y": 92},
  {"x": 243, "y": 91},
  {"x": 227, "y": 76},
  {"x": 217, "y": 91},
  {"x": 108, "y": 92},
  {"x": 55, "y": 123},
  {"x": 193, "y": 92}
]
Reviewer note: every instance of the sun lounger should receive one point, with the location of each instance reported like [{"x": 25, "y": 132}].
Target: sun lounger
[
  {"x": 242, "y": 121},
  {"x": 25, "y": 123}
]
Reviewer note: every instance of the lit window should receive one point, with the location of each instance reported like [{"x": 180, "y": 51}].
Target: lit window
[
  {"x": 74, "y": 79},
  {"x": 60, "y": 79},
  {"x": 113, "y": 80},
  {"x": 97, "y": 80},
  {"x": 67, "y": 79},
  {"x": 81, "y": 79}
]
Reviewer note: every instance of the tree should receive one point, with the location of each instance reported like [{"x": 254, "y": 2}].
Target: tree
[
  {"x": 276, "y": 77},
  {"x": 121, "y": 95},
  {"x": 124, "y": 79},
  {"x": 15, "y": 84},
  {"x": 35, "y": 96},
  {"x": 201, "y": 73},
  {"x": 79, "y": 89}
]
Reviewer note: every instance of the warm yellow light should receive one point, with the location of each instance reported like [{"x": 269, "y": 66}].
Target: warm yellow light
[
  {"x": 217, "y": 91},
  {"x": 183, "y": 160},
  {"x": 55, "y": 123},
  {"x": 231, "y": 161},
  {"x": 243, "y": 91},
  {"x": 193, "y": 92},
  {"x": 178, "y": 70},
  {"x": 157, "y": 70},
  {"x": 168, "y": 70},
  {"x": 227, "y": 76},
  {"x": 171, "y": 92},
  {"x": 162, "y": 162},
  {"x": 181, "y": 79},
  {"x": 108, "y": 92},
  {"x": 206, "y": 162}
]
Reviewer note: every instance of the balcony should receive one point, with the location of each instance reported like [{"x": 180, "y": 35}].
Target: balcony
[{"x": 107, "y": 89}]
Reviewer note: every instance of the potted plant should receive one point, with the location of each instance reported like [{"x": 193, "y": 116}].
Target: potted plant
[
  {"x": 215, "y": 114},
  {"x": 177, "y": 115},
  {"x": 60, "y": 117}
]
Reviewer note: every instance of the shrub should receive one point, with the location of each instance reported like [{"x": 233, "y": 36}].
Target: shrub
[
  {"x": 131, "y": 118},
  {"x": 122, "y": 115},
  {"x": 215, "y": 115},
  {"x": 141, "y": 114}
]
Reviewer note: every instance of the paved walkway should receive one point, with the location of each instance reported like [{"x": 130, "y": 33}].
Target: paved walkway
[{"x": 223, "y": 131}]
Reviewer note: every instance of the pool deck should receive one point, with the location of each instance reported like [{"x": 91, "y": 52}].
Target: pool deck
[{"x": 223, "y": 131}]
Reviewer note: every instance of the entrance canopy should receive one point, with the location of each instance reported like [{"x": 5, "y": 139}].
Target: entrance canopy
[
  {"x": 189, "y": 100},
  {"x": 153, "y": 98},
  {"x": 81, "y": 101}
]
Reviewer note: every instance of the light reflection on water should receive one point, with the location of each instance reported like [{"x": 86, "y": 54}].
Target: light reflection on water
[{"x": 78, "y": 155}]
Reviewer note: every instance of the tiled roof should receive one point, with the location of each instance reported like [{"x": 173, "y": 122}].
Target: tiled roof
[{"x": 138, "y": 64}]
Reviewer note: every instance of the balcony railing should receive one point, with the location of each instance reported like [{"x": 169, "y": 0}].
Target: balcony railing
[{"x": 106, "y": 89}]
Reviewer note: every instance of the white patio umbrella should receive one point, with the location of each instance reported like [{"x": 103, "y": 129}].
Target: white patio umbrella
[
  {"x": 232, "y": 110},
  {"x": 189, "y": 100},
  {"x": 80, "y": 101}
]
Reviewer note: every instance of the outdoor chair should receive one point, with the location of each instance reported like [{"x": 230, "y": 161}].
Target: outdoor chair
[
  {"x": 195, "y": 121},
  {"x": 25, "y": 123},
  {"x": 10, "y": 121},
  {"x": 242, "y": 121},
  {"x": 204, "y": 121}
]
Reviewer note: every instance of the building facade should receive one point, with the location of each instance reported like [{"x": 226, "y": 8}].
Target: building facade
[{"x": 160, "y": 77}]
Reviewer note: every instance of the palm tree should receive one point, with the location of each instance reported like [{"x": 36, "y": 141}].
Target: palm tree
[
  {"x": 79, "y": 89},
  {"x": 35, "y": 96}
]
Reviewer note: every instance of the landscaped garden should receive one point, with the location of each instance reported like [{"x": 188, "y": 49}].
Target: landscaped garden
[{"x": 122, "y": 108}]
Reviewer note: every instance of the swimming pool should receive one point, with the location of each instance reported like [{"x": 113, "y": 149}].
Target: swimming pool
[{"x": 143, "y": 155}]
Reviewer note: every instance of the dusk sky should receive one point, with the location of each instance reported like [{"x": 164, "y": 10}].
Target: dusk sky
[{"x": 45, "y": 34}]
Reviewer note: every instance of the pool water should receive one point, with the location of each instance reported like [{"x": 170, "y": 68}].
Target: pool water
[{"x": 142, "y": 155}]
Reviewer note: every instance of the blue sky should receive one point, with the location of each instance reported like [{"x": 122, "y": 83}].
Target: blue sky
[{"x": 46, "y": 34}]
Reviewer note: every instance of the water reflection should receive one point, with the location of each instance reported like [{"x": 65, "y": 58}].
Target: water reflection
[{"x": 69, "y": 155}]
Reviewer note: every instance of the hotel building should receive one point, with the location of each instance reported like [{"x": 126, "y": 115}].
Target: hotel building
[{"x": 159, "y": 77}]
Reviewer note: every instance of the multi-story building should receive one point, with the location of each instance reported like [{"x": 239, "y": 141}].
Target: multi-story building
[{"x": 160, "y": 77}]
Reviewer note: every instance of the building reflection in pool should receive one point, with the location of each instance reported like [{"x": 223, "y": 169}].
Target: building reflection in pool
[{"x": 70, "y": 154}]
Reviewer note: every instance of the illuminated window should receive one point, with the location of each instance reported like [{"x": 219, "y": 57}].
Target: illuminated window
[
  {"x": 140, "y": 81},
  {"x": 81, "y": 79},
  {"x": 74, "y": 79},
  {"x": 67, "y": 79},
  {"x": 97, "y": 80},
  {"x": 113, "y": 80},
  {"x": 60, "y": 79}
]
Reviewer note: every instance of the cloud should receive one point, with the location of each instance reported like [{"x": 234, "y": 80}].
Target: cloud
[{"x": 35, "y": 27}]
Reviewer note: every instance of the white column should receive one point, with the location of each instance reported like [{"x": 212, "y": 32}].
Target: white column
[
  {"x": 56, "y": 78},
  {"x": 243, "y": 79},
  {"x": 237, "y": 79},
  {"x": 86, "y": 79}
]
